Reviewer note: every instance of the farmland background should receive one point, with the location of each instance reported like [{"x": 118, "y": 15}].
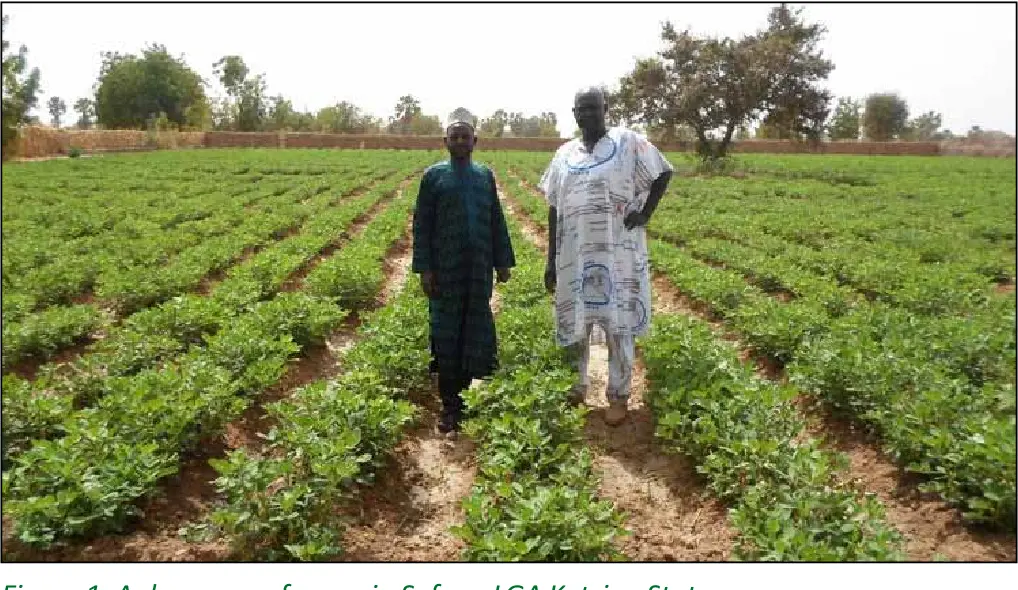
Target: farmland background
[
  {"x": 219, "y": 355},
  {"x": 41, "y": 142}
]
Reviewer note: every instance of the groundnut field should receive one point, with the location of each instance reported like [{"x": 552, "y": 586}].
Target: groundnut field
[{"x": 222, "y": 355}]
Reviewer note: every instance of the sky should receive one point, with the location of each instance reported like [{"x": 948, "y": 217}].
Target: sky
[{"x": 956, "y": 59}]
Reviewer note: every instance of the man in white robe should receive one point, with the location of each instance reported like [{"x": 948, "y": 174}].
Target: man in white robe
[{"x": 601, "y": 190}]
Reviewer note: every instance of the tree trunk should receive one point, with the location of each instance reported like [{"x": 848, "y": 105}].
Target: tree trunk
[
  {"x": 703, "y": 147},
  {"x": 722, "y": 150}
]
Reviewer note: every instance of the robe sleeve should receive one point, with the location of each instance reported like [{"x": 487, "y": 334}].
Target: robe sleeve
[
  {"x": 502, "y": 254},
  {"x": 424, "y": 224},
  {"x": 549, "y": 183},
  {"x": 650, "y": 163}
]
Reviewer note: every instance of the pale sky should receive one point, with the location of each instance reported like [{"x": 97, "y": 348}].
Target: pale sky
[{"x": 957, "y": 59}]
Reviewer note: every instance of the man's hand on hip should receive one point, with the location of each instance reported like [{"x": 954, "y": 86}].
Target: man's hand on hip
[
  {"x": 635, "y": 219},
  {"x": 503, "y": 274},
  {"x": 549, "y": 278}
]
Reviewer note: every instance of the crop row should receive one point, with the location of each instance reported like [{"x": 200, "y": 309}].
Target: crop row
[
  {"x": 747, "y": 439},
  {"x": 88, "y": 481},
  {"x": 939, "y": 391},
  {"x": 875, "y": 238},
  {"x": 43, "y": 333},
  {"x": 158, "y": 334},
  {"x": 329, "y": 438},
  {"x": 45, "y": 265},
  {"x": 94, "y": 487},
  {"x": 535, "y": 493},
  {"x": 922, "y": 386},
  {"x": 924, "y": 287}
]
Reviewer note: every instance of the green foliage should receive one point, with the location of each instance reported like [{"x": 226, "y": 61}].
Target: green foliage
[
  {"x": 42, "y": 334},
  {"x": 535, "y": 494},
  {"x": 88, "y": 481},
  {"x": 744, "y": 434},
  {"x": 20, "y": 92},
  {"x": 133, "y": 90},
  {"x": 885, "y": 117},
  {"x": 344, "y": 117},
  {"x": 85, "y": 107},
  {"x": 409, "y": 119},
  {"x": 925, "y": 127},
  {"x": 329, "y": 439},
  {"x": 57, "y": 107},
  {"x": 162, "y": 333},
  {"x": 493, "y": 126},
  {"x": 717, "y": 85},
  {"x": 28, "y": 417},
  {"x": 846, "y": 121}
]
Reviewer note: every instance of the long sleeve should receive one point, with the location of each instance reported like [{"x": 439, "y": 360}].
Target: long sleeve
[
  {"x": 502, "y": 248},
  {"x": 549, "y": 183},
  {"x": 424, "y": 224}
]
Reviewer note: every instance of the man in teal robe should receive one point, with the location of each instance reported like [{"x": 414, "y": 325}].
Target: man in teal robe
[{"x": 460, "y": 238}]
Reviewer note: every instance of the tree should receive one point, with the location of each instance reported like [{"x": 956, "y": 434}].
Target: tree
[
  {"x": 520, "y": 125},
  {"x": 344, "y": 117},
  {"x": 199, "y": 115},
  {"x": 797, "y": 109},
  {"x": 57, "y": 108},
  {"x": 426, "y": 125},
  {"x": 232, "y": 72},
  {"x": 715, "y": 85},
  {"x": 20, "y": 92},
  {"x": 407, "y": 109},
  {"x": 409, "y": 119},
  {"x": 281, "y": 114},
  {"x": 86, "y": 111},
  {"x": 494, "y": 126},
  {"x": 548, "y": 125},
  {"x": 846, "y": 120},
  {"x": 133, "y": 91},
  {"x": 246, "y": 107},
  {"x": 252, "y": 107},
  {"x": 885, "y": 117},
  {"x": 463, "y": 114},
  {"x": 925, "y": 127}
]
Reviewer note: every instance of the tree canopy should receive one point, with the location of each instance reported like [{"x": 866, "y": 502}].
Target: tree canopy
[
  {"x": 715, "y": 85},
  {"x": 885, "y": 117},
  {"x": 132, "y": 91},
  {"x": 20, "y": 90}
]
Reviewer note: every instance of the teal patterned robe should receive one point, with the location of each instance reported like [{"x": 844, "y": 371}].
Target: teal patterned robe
[{"x": 460, "y": 234}]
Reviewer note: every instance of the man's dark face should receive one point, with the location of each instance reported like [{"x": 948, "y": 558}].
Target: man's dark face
[
  {"x": 588, "y": 110},
  {"x": 459, "y": 140}
]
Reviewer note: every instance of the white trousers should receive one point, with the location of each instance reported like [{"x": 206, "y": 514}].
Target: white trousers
[{"x": 621, "y": 356}]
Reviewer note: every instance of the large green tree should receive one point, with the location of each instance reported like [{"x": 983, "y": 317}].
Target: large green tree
[
  {"x": 846, "y": 121},
  {"x": 407, "y": 109},
  {"x": 925, "y": 127},
  {"x": 885, "y": 117},
  {"x": 344, "y": 117},
  {"x": 714, "y": 85},
  {"x": 20, "y": 91},
  {"x": 133, "y": 91},
  {"x": 247, "y": 107},
  {"x": 543, "y": 125},
  {"x": 409, "y": 119},
  {"x": 494, "y": 126}
]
